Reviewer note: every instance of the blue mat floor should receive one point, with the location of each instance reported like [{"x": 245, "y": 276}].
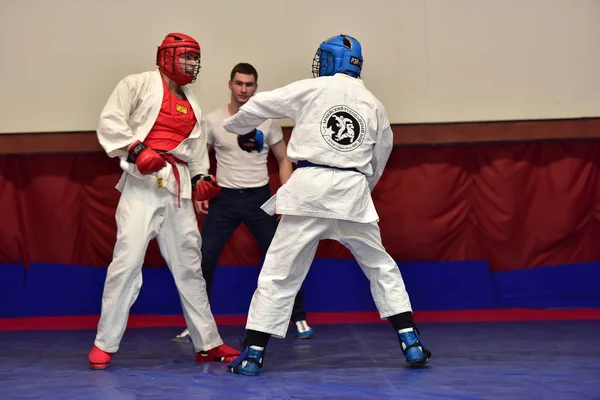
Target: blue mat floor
[{"x": 513, "y": 360}]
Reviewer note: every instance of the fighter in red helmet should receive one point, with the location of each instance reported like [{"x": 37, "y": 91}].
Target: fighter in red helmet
[{"x": 153, "y": 123}]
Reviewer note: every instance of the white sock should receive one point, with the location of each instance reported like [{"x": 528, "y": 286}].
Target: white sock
[
  {"x": 406, "y": 330},
  {"x": 302, "y": 326},
  {"x": 257, "y": 348}
]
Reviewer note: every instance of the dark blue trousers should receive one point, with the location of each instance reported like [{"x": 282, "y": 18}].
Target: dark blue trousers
[{"x": 225, "y": 214}]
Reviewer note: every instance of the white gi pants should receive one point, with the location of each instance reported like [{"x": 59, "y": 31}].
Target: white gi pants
[
  {"x": 145, "y": 212},
  {"x": 291, "y": 254}
]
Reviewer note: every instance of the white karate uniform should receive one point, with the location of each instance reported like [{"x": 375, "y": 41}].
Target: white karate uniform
[
  {"x": 338, "y": 124},
  {"x": 148, "y": 208}
]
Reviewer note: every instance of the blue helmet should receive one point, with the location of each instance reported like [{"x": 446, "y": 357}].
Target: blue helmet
[{"x": 340, "y": 53}]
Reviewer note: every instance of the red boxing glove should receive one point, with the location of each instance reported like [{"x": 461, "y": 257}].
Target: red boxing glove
[
  {"x": 206, "y": 188},
  {"x": 146, "y": 159}
]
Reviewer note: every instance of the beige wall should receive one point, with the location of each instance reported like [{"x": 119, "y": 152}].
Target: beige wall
[{"x": 427, "y": 60}]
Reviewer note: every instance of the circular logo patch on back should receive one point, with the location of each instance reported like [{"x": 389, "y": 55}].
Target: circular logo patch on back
[{"x": 343, "y": 128}]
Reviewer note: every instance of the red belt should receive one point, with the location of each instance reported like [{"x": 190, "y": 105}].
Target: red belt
[{"x": 171, "y": 159}]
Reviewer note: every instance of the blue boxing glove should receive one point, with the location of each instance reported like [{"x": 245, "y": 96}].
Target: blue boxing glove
[{"x": 252, "y": 141}]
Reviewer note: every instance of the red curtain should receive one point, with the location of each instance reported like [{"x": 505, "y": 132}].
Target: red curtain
[{"x": 514, "y": 205}]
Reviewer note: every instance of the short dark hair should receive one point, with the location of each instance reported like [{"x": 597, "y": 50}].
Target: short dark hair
[{"x": 244, "y": 68}]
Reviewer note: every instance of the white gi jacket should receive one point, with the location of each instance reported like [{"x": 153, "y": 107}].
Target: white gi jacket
[
  {"x": 339, "y": 123},
  {"x": 130, "y": 114}
]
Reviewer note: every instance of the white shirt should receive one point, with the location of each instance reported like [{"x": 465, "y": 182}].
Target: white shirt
[
  {"x": 236, "y": 168},
  {"x": 130, "y": 114},
  {"x": 338, "y": 122}
]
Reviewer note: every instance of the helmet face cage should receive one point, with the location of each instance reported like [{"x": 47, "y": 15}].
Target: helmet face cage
[
  {"x": 180, "y": 61},
  {"x": 323, "y": 63}
]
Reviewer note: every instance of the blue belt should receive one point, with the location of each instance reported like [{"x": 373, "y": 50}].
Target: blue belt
[{"x": 304, "y": 164}]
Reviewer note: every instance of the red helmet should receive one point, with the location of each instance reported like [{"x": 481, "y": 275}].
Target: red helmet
[{"x": 178, "y": 57}]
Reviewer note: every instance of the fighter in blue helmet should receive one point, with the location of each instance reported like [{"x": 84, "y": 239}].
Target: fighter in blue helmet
[{"x": 341, "y": 142}]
